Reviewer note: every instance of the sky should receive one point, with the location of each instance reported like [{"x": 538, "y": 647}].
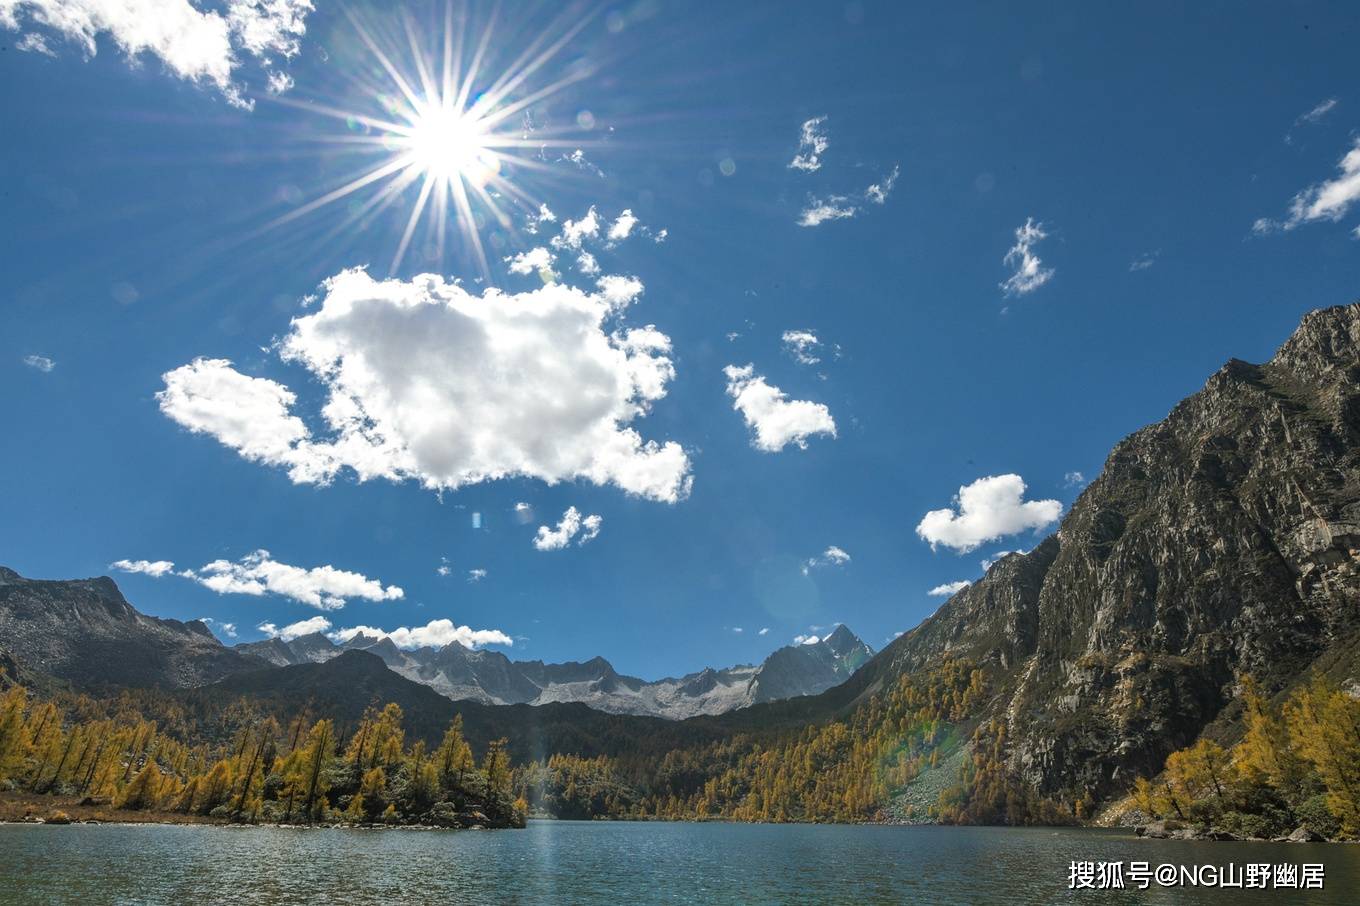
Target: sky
[{"x": 667, "y": 332}]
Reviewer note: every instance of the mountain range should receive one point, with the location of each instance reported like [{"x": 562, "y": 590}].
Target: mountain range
[
  {"x": 1220, "y": 542},
  {"x": 85, "y": 632},
  {"x": 489, "y": 677}
]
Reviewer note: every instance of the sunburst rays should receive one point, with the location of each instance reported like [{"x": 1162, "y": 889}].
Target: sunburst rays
[{"x": 428, "y": 134}]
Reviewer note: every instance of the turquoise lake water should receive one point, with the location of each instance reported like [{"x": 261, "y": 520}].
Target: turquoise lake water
[{"x": 618, "y": 862}]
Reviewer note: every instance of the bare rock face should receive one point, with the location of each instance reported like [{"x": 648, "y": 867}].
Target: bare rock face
[
  {"x": 1222, "y": 540},
  {"x": 85, "y": 632}
]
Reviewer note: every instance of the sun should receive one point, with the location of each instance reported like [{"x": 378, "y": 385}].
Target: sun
[
  {"x": 440, "y": 127},
  {"x": 447, "y": 144}
]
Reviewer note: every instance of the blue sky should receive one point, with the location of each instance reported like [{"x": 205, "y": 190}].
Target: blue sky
[{"x": 1185, "y": 174}]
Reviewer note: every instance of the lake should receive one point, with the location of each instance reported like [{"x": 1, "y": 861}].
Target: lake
[{"x": 618, "y": 862}]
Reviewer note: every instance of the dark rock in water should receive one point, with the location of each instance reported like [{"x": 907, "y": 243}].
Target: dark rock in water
[{"x": 1305, "y": 835}]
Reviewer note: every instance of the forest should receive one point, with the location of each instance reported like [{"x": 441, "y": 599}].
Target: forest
[
  {"x": 1297, "y": 765},
  {"x": 850, "y": 770},
  {"x": 302, "y": 773},
  {"x": 245, "y": 764}
]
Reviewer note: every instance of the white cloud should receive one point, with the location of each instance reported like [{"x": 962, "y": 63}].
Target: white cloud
[
  {"x": 534, "y": 221},
  {"x": 34, "y": 43},
  {"x": 267, "y": 27},
  {"x": 435, "y": 634},
  {"x": 578, "y": 157},
  {"x": 1317, "y": 114},
  {"x": 197, "y": 45},
  {"x": 586, "y": 263},
  {"x": 878, "y": 192},
  {"x": 154, "y": 568},
  {"x": 249, "y": 414},
  {"x": 40, "y": 362},
  {"x": 295, "y": 630},
  {"x": 476, "y": 575},
  {"x": 999, "y": 555},
  {"x": 622, "y": 226},
  {"x": 777, "y": 420},
  {"x": 257, "y": 573},
  {"x": 1327, "y": 200},
  {"x": 444, "y": 569},
  {"x": 1074, "y": 480},
  {"x": 227, "y": 629},
  {"x": 1144, "y": 261},
  {"x": 949, "y": 588},
  {"x": 1030, "y": 274},
  {"x": 571, "y": 525},
  {"x": 802, "y": 345},
  {"x": 842, "y": 207},
  {"x": 987, "y": 509},
  {"x": 575, "y": 232},
  {"x": 820, "y": 210},
  {"x": 832, "y": 556},
  {"x": 428, "y": 382},
  {"x": 764, "y": 630},
  {"x": 322, "y": 587},
  {"x": 812, "y": 143},
  {"x": 738, "y": 629},
  {"x": 806, "y": 640},
  {"x": 280, "y": 83},
  {"x": 835, "y": 556},
  {"x": 535, "y": 261}
]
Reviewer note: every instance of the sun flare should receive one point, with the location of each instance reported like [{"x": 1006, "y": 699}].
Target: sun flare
[
  {"x": 446, "y": 144},
  {"x": 445, "y": 131}
]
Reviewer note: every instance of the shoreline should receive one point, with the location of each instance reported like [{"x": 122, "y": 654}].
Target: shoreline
[{"x": 61, "y": 811}]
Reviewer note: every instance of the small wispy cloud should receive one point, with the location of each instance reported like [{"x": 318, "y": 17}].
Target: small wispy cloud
[
  {"x": 476, "y": 575},
  {"x": 820, "y": 210},
  {"x": 153, "y": 568},
  {"x": 878, "y": 192},
  {"x": 258, "y": 574},
  {"x": 1317, "y": 114},
  {"x": 832, "y": 556},
  {"x": 988, "y": 562},
  {"x": 534, "y": 261},
  {"x": 1329, "y": 200},
  {"x": 1144, "y": 261},
  {"x": 949, "y": 588},
  {"x": 1030, "y": 273},
  {"x": 40, "y": 363},
  {"x": 569, "y": 527},
  {"x": 227, "y": 629},
  {"x": 578, "y": 157},
  {"x": 812, "y": 144},
  {"x": 802, "y": 345}
]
